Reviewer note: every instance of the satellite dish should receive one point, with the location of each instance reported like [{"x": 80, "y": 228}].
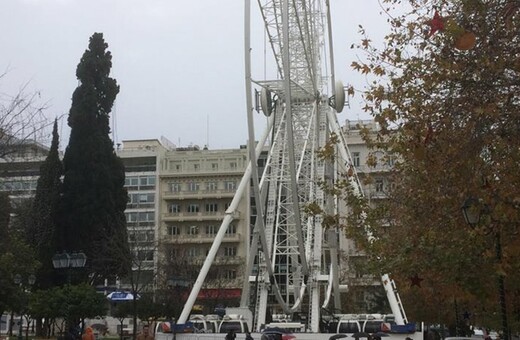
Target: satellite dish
[
  {"x": 266, "y": 101},
  {"x": 339, "y": 102}
]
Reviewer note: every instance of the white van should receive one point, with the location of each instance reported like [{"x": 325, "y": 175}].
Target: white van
[
  {"x": 233, "y": 322},
  {"x": 205, "y": 324},
  {"x": 368, "y": 323},
  {"x": 291, "y": 327}
]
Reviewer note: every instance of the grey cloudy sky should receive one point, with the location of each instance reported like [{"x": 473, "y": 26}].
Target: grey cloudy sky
[{"x": 180, "y": 64}]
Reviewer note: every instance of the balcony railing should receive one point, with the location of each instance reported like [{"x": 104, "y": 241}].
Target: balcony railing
[
  {"x": 140, "y": 205},
  {"x": 198, "y": 194},
  {"x": 198, "y": 216},
  {"x": 200, "y": 238}
]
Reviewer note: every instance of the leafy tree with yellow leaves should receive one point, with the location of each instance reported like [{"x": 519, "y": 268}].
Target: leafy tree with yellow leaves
[{"x": 446, "y": 95}]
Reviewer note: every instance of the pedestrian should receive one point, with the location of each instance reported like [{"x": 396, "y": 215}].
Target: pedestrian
[
  {"x": 145, "y": 333},
  {"x": 231, "y": 335},
  {"x": 248, "y": 336},
  {"x": 88, "y": 334}
]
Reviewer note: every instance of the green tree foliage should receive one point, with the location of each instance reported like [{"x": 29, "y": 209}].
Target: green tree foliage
[
  {"x": 148, "y": 310},
  {"x": 16, "y": 257},
  {"x": 447, "y": 101},
  {"x": 94, "y": 197},
  {"x": 71, "y": 302},
  {"x": 41, "y": 230},
  {"x": 5, "y": 214}
]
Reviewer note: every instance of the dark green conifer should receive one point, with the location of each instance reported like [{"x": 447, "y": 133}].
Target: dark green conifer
[
  {"x": 94, "y": 198},
  {"x": 41, "y": 233}
]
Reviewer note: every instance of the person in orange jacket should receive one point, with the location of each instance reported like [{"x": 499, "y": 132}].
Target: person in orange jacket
[{"x": 88, "y": 335}]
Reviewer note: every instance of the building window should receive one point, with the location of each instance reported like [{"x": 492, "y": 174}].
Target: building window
[
  {"x": 211, "y": 207},
  {"x": 145, "y": 255},
  {"x": 193, "y": 186},
  {"x": 214, "y": 166},
  {"x": 174, "y": 208},
  {"x": 379, "y": 185},
  {"x": 131, "y": 217},
  {"x": 148, "y": 216},
  {"x": 211, "y": 230},
  {"x": 131, "y": 181},
  {"x": 193, "y": 230},
  {"x": 174, "y": 253},
  {"x": 175, "y": 187},
  {"x": 390, "y": 160},
  {"x": 230, "y": 251},
  {"x": 231, "y": 230},
  {"x": 230, "y": 185},
  {"x": 356, "y": 159},
  {"x": 21, "y": 185},
  {"x": 141, "y": 199},
  {"x": 174, "y": 230},
  {"x": 146, "y": 181},
  {"x": 146, "y": 198},
  {"x": 233, "y": 165},
  {"x": 193, "y": 252},
  {"x": 141, "y": 237},
  {"x": 193, "y": 208},
  {"x": 212, "y": 186},
  {"x": 230, "y": 274}
]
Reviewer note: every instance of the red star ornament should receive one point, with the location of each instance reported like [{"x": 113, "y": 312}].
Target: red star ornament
[
  {"x": 436, "y": 24},
  {"x": 415, "y": 281}
]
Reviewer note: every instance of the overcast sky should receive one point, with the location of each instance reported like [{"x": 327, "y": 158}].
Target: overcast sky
[{"x": 180, "y": 64}]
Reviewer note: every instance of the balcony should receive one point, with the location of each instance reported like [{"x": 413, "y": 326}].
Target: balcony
[
  {"x": 199, "y": 194},
  {"x": 377, "y": 195},
  {"x": 199, "y": 238},
  {"x": 199, "y": 216},
  {"x": 142, "y": 205}
]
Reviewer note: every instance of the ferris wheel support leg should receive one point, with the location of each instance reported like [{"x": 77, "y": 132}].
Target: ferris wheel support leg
[
  {"x": 333, "y": 241},
  {"x": 244, "y": 182},
  {"x": 315, "y": 316},
  {"x": 394, "y": 300}
]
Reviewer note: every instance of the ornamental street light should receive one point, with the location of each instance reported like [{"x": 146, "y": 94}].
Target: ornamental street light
[
  {"x": 66, "y": 261},
  {"x": 472, "y": 209}
]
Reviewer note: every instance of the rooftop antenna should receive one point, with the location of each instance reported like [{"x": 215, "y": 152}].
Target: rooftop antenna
[{"x": 207, "y": 131}]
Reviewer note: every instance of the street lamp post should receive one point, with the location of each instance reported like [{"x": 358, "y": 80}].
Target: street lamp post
[
  {"x": 31, "y": 279},
  {"x": 472, "y": 210},
  {"x": 67, "y": 261}
]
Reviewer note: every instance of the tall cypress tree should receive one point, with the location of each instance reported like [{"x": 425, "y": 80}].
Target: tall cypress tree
[
  {"x": 41, "y": 233},
  {"x": 94, "y": 198}
]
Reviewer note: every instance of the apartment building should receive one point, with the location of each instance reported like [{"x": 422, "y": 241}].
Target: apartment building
[
  {"x": 196, "y": 188},
  {"x": 19, "y": 171},
  {"x": 373, "y": 169},
  {"x": 141, "y": 159}
]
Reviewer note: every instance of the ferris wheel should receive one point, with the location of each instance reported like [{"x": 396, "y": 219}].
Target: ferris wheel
[{"x": 293, "y": 261}]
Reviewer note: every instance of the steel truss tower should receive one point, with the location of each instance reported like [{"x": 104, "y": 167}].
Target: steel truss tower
[{"x": 292, "y": 264}]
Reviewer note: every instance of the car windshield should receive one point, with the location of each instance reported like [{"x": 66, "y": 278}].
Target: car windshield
[{"x": 232, "y": 326}]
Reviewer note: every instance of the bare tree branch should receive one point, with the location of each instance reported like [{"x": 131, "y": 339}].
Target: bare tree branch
[{"x": 22, "y": 119}]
